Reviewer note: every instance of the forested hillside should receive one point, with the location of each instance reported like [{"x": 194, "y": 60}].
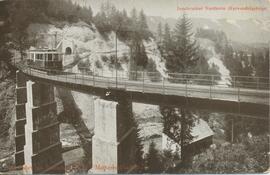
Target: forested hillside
[
  {"x": 132, "y": 28},
  {"x": 242, "y": 62}
]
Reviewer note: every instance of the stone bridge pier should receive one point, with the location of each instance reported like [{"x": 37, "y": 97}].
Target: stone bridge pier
[
  {"x": 114, "y": 140},
  {"x": 20, "y": 118},
  {"x": 38, "y": 146}
]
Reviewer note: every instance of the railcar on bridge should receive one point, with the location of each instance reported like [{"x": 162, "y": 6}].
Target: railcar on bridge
[{"x": 49, "y": 59}]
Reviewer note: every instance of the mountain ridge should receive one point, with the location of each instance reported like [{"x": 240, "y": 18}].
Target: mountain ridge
[{"x": 248, "y": 31}]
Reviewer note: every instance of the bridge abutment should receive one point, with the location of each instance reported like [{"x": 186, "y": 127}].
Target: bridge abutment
[
  {"x": 43, "y": 149},
  {"x": 113, "y": 145}
]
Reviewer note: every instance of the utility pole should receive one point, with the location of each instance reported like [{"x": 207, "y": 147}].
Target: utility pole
[
  {"x": 232, "y": 130},
  {"x": 55, "y": 40},
  {"x": 116, "y": 59}
]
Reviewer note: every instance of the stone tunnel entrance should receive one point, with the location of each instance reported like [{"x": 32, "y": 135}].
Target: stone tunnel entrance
[{"x": 68, "y": 51}]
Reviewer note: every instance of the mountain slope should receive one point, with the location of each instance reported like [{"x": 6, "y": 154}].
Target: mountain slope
[{"x": 244, "y": 31}]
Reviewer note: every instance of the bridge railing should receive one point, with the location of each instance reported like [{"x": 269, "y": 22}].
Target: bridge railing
[
  {"x": 200, "y": 79},
  {"x": 204, "y": 79},
  {"x": 190, "y": 85}
]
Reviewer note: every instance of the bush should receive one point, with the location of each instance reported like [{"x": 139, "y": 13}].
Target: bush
[
  {"x": 124, "y": 59},
  {"x": 98, "y": 64},
  {"x": 84, "y": 66},
  {"x": 154, "y": 160},
  {"x": 104, "y": 58},
  {"x": 113, "y": 61}
]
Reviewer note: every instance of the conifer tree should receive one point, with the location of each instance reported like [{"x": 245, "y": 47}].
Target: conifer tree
[
  {"x": 178, "y": 124},
  {"x": 19, "y": 11},
  {"x": 181, "y": 56},
  {"x": 134, "y": 17},
  {"x": 139, "y": 146},
  {"x": 143, "y": 27},
  {"x": 159, "y": 33},
  {"x": 167, "y": 40},
  {"x": 4, "y": 39},
  {"x": 185, "y": 48},
  {"x": 153, "y": 160}
]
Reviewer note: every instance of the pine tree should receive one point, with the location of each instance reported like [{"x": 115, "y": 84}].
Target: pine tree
[
  {"x": 143, "y": 27},
  {"x": 4, "y": 39},
  {"x": 185, "y": 50},
  {"x": 141, "y": 58},
  {"x": 139, "y": 31},
  {"x": 133, "y": 28},
  {"x": 181, "y": 56},
  {"x": 102, "y": 23},
  {"x": 262, "y": 64},
  {"x": 19, "y": 11},
  {"x": 178, "y": 124},
  {"x": 139, "y": 146},
  {"x": 159, "y": 33},
  {"x": 168, "y": 161},
  {"x": 153, "y": 160},
  {"x": 167, "y": 40},
  {"x": 134, "y": 17},
  {"x": 133, "y": 156}
]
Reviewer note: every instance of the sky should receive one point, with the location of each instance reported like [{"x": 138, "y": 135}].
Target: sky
[{"x": 194, "y": 8}]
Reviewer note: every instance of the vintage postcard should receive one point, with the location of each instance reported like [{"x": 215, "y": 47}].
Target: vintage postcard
[{"x": 134, "y": 86}]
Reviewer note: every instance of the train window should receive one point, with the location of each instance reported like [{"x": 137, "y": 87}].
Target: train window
[
  {"x": 55, "y": 57},
  {"x": 40, "y": 56},
  {"x": 32, "y": 56},
  {"x": 49, "y": 57},
  {"x": 68, "y": 51}
]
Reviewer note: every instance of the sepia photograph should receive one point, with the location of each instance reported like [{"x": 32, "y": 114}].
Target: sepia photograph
[{"x": 134, "y": 87}]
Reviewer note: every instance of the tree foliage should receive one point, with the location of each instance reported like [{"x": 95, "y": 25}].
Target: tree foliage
[
  {"x": 159, "y": 33},
  {"x": 65, "y": 10},
  {"x": 133, "y": 29},
  {"x": 261, "y": 63},
  {"x": 24, "y": 12},
  {"x": 181, "y": 54},
  {"x": 184, "y": 49},
  {"x": 5, "y": 55},
  {"x": 159, "y": 161},
  {"x": 153, "y": 160},
  {"x": 247, "y": 157},
  {"x": 178, "y": 124},
  {"x": 167, "y": 41}
]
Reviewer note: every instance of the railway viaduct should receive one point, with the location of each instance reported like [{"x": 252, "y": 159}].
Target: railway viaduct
[{"x": 38, "y": 146}]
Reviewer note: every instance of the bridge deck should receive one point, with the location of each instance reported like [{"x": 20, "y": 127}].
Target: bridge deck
[
  {"x": 216, "y": 98},
  {"x": 258, "y": 96}
]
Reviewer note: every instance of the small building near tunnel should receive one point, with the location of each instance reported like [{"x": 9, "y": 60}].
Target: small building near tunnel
[{"x": 68, "y": 48}]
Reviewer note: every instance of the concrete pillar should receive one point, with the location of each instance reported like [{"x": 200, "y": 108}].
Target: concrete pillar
[
  {"x": 20, "y": 118},
  {"x": 113, "y": 145},
  {"x": 43, "y": 149}
]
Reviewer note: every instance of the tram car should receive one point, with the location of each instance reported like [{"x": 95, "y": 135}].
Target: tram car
[{"x": 45, "y": 59}]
